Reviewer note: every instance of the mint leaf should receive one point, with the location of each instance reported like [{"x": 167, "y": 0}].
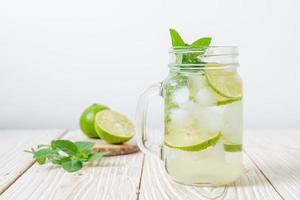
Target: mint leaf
[
  {"x": 69, "y": 155},
  {"x": 43, "y": 154},
  {"x": 189, "y": 58},
  {"x": 72, "y": 165},
  {"x": 66, "y": 146},
  {"x": 84, "y": 149},
  {"x": 56, "y": 162},
  {"x": 203, "y": 42},
  {"x": 60, "y": 160},
  {"x": 84, "y": 146},
  {"x": 176, "y": 38},
  {"x": 41, "y": 160},
  {"x": 94, "y": 156}
]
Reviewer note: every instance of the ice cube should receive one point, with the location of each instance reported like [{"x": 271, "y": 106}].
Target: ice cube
[
  {"x": 193, "y": 108},
  {"x": 181, "y": 95},
  {"x": 197, "y": 82},
  {"x": 180, "y": 117},
  {"x": 205, "y": 97},
  {"x": 211, "y": 119},
  {"x": 233, "y": 124},
  {"x": 190, "y": 106}
]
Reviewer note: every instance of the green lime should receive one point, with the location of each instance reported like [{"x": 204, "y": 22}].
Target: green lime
[
  {"x": 113, "y": 127},
  {"x": 87, "y": 119},
  {"x": 200, "y": 81},
  {"x": 190, "y": 139},
  {"x": 225, "y": 83},
  {"x": 231, "y": 147},
  {"x": 228, "y": 101}
]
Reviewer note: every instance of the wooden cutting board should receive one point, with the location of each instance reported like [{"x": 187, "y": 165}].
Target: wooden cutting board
[{"x": 114, "y": 149}]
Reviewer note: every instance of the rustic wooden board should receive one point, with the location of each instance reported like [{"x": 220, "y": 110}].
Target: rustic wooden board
[
  {"x": 114, "y": 177},
  {"x": 14, "y": 161},
  {"x": 114, "y": 150},
  {"x": 156, "y": 184}
]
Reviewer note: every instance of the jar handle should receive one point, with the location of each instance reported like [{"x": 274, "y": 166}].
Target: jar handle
[{"x": 145, "y": 145}]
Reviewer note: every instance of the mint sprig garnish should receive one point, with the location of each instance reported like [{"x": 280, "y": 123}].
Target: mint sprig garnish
[
  {"x": 177, "y": 41},
  {"x": 202, "y": 42},
  {"x": 189, "y": 58},
  {"x": 71, "y": 156}
]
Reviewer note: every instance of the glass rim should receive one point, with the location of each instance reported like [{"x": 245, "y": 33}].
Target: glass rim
[
  {"x": 195, "y": 67},
  {"x": 212, "y": 57}
]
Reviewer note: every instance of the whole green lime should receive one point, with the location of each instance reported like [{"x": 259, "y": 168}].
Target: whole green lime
[{"x": 87, "y": 119}]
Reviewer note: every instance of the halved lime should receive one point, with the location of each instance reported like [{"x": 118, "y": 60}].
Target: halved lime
[
  {"x": 113, "y": 127},
  {"x": 225, "y": 83},
  {"x": 231, "y": 147},
  {"x": 87, "y": 119},
  {"x": 190, "y": 139}
]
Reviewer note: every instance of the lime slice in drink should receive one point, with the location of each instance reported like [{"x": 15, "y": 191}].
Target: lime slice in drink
[
  {"x": 231, "y": 147},
  {"x": 225, "y": 102},
  {"x": 225, "y": 83},
  {"x": 190, "y": 139},
  {"x": 113, "y": 127}
]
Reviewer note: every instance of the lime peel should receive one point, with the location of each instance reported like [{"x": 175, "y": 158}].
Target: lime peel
[
  {"x": 231, "y": 147},
  {"x": 87, "y": 119},
  {"x": 211, "y": 141},
  {"x": 220, "y": 103}
]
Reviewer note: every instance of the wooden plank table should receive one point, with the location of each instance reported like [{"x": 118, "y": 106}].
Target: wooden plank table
[{"x": 271, "y": 171}]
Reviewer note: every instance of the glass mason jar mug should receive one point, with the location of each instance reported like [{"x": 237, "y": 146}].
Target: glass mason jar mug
[{"x": 202, "y": 116}]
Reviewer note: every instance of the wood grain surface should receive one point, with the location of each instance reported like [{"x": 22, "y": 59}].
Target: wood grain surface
[
  {"x": 14, "y": 161},
  {"x": 271, "y": 171},
  {"x": 114, "y": 177}
]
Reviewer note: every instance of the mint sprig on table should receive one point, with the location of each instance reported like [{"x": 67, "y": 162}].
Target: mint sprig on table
[
  {"x": 190, "y": 58},
  {"x": 69, "y": 155}
]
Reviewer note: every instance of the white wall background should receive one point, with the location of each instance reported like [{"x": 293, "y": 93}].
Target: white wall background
[{"x": 59, "y": 56}]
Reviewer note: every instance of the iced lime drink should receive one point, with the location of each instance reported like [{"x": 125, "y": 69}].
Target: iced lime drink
[
  {"x": 203, "y": 126},
  {"x": 202, "y": 114}
]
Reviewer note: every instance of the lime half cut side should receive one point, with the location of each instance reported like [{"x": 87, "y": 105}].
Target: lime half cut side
[
  {"x": 113, "y": 127},
  {"x": 190, "y": 140},
  {"x": 225, "y": 83}
]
